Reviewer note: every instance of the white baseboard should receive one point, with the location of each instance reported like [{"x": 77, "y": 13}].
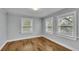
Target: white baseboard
[
  {"x": 23, "y": 38},
  {"x": 19, "y": 39},
  {"x": 39, "y": 36},
  {"x": 3, "y": 45},
  {"x": 73, "y": 49}
]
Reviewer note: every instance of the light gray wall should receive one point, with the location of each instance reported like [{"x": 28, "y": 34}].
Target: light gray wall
[
  {"x": 13, "y": 31},
  {"x": 3, "y": 27},
  {"x": 14, "y": 27},
  {"x": 67, "y": 42}
]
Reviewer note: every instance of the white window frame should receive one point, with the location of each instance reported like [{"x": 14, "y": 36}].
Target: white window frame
[
  {"x": 31, "y": 20},
  {"x": 74, "y": 34},
  {"x": 49, "y": 19}
]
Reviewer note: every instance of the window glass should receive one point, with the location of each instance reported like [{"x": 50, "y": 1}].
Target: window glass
[{"x": 26, "y": 25}]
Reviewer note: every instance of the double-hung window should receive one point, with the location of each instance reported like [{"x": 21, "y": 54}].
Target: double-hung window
[
  {"x": 67, "y": 24},
  {"x": 26, "y": 25},
  {"x": 49, "y": 25}
]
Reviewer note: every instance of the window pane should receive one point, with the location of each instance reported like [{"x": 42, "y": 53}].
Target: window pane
[
  {"x": 66, "y": 25},
  {"x": 50, "y": 29},
  {"x": 49, "y": 25},
  {"x": 66, "y": 21},
  {"x": 26, "y": 25},
  {"x": 26, "y": 22},
  {"x": 66, "y": 29},
  {"x": 26, "y": 29}
]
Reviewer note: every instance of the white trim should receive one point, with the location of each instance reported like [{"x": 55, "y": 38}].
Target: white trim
[
  {"x": 74, "y": 24},
  {"x": 31, "y": 20},
  {"x": 73, "y": 49},
  {"x": 3, "y": 45},
  {"x": 18, "y": 39},
  {"x": 24, "y": 38},
  {"x": 46, "y": 25}
]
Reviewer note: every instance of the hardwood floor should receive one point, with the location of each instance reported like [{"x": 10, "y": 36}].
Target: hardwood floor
[{"x": 34, "y": 44}]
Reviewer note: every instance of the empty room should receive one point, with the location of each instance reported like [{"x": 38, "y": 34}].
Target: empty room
[{"x": 39, "y": 29}]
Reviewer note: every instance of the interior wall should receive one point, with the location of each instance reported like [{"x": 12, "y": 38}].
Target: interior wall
[
  {"x": 73, "y": 44},
  {"x": 14, "y": 29},
  {"x": 10, "y": 28},
  {"x": 3, "y": 27}
]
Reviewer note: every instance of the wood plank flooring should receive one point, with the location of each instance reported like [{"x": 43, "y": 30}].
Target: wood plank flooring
[{"x": 34, "y": 44}]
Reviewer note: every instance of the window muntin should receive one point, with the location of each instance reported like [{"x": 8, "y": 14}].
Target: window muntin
[
  {"x": 67, "y": 24},
  {"x": 26, "y": 25},
  {"x": 49, "y": 25}
]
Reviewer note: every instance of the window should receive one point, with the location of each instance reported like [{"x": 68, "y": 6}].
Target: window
[
  {"x": 49, "y": 25},
  {"x": 67, "y": 24},
  {"x": 26, "y": 25}
]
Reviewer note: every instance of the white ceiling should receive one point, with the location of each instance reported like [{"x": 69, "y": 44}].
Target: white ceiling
[{"x": 42, "y": 12}]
